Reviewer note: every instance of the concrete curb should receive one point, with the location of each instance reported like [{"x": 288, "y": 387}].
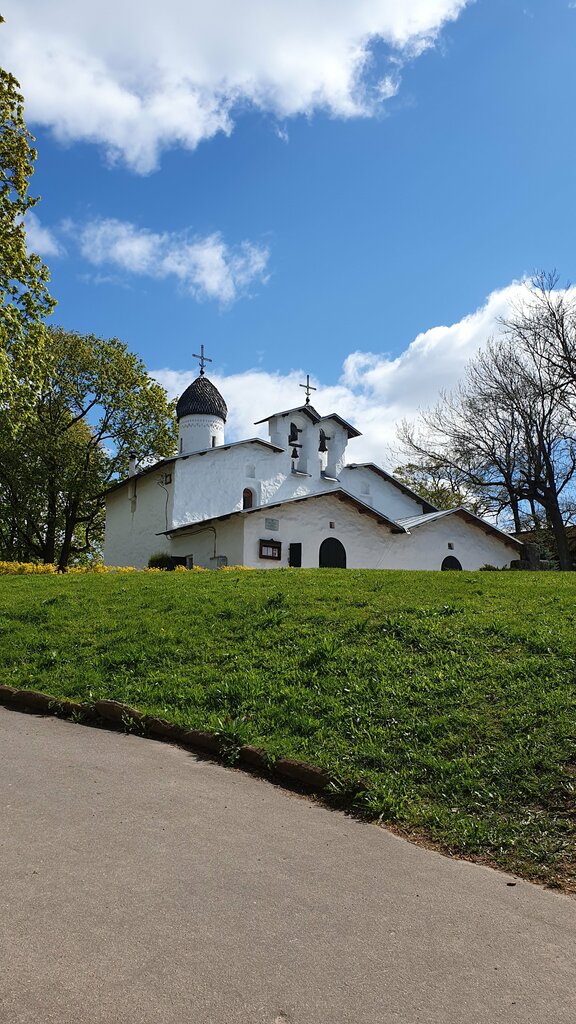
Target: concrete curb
[{"x": 114, "y": 714}]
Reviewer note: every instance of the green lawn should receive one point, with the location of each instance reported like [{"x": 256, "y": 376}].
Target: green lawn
[{"x": 452, "y": 695}]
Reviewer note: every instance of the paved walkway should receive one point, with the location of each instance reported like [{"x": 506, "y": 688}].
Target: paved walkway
[{"x": 139, "y": 885}]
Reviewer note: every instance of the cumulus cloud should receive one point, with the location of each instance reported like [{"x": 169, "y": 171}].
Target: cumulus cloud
[
  {"x": 138, "y": 79},
  {"x": 375, "y": 391},
  {"x": 41, "y": 239},
  {"x": 206, "y": 266}
]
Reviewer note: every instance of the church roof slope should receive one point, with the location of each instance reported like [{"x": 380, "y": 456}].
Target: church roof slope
[
  {"x": 396, "y": 483},
  {"x": 201, "y": 398},
  {"x": 413, "y": 522},
  {"x": 309, "y": 411},
  {"x": 192, "y": 455},
  {"x": 315, "y": 416},
  {"x": 338, "y": 493}
]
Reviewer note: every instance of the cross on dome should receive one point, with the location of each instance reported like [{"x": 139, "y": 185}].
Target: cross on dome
[
  {"x": 203, "y": 359},
  {"x": 308, "y": 387}
]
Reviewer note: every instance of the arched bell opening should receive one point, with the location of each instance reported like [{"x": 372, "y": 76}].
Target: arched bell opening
[{"x": 332, "y": 554}]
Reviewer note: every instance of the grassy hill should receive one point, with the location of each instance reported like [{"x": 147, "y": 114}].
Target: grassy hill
[{"x": 452, "y": 696}]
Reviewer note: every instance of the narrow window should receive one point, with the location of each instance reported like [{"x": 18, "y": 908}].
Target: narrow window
[
  {"x": 180, "y": 444},
  {"x": 213, "y": 442},
  {"x": 247, "y": 498}
]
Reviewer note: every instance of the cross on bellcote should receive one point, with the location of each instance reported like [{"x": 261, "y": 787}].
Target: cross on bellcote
[
  {"x": 203, "y": 359},
  {"x": 308, "y": 387}
]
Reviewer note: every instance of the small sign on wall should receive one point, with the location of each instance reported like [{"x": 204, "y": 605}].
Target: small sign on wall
[{"x": 272, "y": 524}]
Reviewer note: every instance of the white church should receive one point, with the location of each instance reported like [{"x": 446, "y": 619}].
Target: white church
[{"x": 293, "y": 500}]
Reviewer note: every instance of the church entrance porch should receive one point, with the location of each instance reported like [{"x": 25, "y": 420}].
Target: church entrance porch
[{"x": 332, "y": 554}]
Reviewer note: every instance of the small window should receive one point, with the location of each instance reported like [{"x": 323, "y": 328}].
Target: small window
[
  {"x": 213, "y": 442},
  {"x": 180, "y": 444},
  {"x": 332, "y": 525},
  {"x": 247, "y": 498},
  {"x": 168, "y": 478},
  {"x": 271, "y": 524},
  {"x": 450, "y": 546},
  {"x": 271, "y": 549}
]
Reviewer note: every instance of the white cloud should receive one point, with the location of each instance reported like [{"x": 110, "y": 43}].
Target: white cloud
[
  {"x": 137, "y": 78},
  {"x": 207, "y": 267},
  {"x": 41, "y": 239},
  {"x": 374, "y": 392}
]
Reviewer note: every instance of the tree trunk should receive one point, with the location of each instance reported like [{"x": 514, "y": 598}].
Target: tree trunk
[
  {"x": 69, "y": 528},
  {"x": 554, "y": 517}
]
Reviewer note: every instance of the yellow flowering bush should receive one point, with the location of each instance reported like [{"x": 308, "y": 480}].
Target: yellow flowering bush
[{"x": 39, "y": 569}]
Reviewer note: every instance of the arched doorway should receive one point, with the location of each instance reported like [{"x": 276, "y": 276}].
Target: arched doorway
[
  {"x": 332, "y": 554},
  {"x": 450, "y": 563}
]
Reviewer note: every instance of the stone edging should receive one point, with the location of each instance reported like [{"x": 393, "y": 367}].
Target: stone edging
[{"x": 113, "y": 713}]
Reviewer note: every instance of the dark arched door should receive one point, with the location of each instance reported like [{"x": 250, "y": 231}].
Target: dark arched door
[
  {"x": 450, "y": 563},
  {"x": 332, "y": 554}
]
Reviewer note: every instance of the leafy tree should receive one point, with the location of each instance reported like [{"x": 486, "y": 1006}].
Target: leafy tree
[
  {"x": 96, "y": 405},
  {"x": 24, "y": 298},
  {"x": 442, "y": 485}
]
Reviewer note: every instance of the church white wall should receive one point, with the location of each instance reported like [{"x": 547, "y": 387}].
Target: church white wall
[
  {"x": 135, "y": 514},
  {"x": 369, "y": 545},
  {"x": 197, "y": 432},
  {"x": 308, "y": 523},
  {"x": 427, "y": 547},
  {"x": 212, "y": 484},
  {"x": 380, "y": 494},
  {"x": 226, "y": 538}
]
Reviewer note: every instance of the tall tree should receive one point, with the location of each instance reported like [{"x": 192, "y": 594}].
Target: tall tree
[
  {"x": 96, "y": 405},
  {"x": 508, "y": 430},
  {"x": 24, "y": 298}
]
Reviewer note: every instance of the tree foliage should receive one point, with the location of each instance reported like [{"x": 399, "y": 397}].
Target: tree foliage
[
  {"x": 24, "y": 298},
  {"x": 442, "y": 485},
  {"x": 96, "y": 405}
]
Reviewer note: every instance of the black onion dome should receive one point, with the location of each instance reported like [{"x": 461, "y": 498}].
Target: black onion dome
[{"x": 201, "y": 398}]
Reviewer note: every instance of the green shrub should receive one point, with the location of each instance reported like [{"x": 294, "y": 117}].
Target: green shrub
[{"x": 161, "y": 560}]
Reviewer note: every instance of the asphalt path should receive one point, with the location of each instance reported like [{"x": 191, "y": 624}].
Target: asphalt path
[{"x": 140, "y": 885}]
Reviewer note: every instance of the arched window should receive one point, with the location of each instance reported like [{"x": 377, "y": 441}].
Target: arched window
[
  {"x": 450, "y": 562},
  {"x": 247, "y": 498}
]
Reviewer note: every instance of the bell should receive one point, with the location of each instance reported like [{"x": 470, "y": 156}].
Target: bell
[
  {"x": 295, "y": 453},
  {"x": 322, "y": 447}
]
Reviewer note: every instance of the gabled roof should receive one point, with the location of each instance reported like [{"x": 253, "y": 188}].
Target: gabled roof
[
  {"x": 315, "y": 416},
  {"x": 413, "y": 522},
  {"x": 309, "y": 411},
  {"x": 352, "y": 431},
  {"x": 392, "y": 480},
  {"x": 338, "y": 493},
  {"x": 192, "y": 455}
]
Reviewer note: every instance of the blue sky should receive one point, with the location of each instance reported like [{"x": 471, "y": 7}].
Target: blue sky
[{"x": 370, "y": 242}]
